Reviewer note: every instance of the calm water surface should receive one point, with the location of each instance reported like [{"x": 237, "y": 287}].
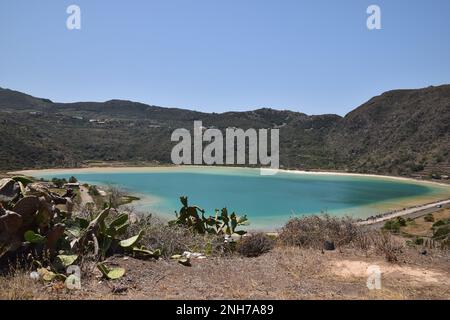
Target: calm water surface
[{"x": 268, "y": 201}]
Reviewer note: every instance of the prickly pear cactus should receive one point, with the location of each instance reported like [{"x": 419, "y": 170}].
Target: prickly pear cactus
[
  {"x": 9, "y": 190},
  {"x": 222, "y": 223}
]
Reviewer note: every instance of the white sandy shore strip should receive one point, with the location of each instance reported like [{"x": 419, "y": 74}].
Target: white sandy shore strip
[
  {"x": 399, "y": 213},
  {"x": 367, "y": 175}
]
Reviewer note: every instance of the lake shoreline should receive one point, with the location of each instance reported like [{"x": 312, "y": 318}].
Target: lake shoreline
[
  {"x": 136, "y": 169},
  {"x": 407, "y": 207}
]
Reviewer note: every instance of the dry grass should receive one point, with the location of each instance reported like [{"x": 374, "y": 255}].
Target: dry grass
[
  {"x": 18, "y": 286},
  {"x": 283, "y": 273}
]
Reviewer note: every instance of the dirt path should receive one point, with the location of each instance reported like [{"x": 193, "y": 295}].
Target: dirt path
[{"x": 85, "y": 196}]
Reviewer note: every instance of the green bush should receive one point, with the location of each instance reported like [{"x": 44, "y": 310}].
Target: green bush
[
  {"x": 401, "y": 221},
  {"x": 439, "y": 223},
  {"x": 93, "y": 191},
  {"x": 72, "y": 179},
  {"x": 429, "y": 218},
  {"x": 59, "y": 183},
  {"x": 418, "y": 241},
  {"x": 392, "y": 225}
]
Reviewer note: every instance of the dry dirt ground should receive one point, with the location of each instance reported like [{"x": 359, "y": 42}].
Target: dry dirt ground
[{"x": 284, "y": 273}]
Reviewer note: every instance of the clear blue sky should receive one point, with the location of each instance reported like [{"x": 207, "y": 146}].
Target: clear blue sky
[{"x": 311, "y": 56}]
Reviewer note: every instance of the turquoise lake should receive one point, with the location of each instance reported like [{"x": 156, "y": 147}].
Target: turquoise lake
[{"x": 269, "y": 201}]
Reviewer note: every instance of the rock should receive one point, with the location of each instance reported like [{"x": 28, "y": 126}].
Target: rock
[
  {"x": 196, "y": 255},
  {"x": 236, "y": 237},
  {"x": 187, "y": 254},
  {"x": 34, "y": 275},
  {"x": 229, "y": 239},
  {"x": 328, "y": 245},
  {"x": 9, "y": 190},
  {"x": 185, "y": 261}
]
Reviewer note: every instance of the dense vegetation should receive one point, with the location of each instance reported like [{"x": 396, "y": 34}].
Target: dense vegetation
[{"x": 398, "y": 132}]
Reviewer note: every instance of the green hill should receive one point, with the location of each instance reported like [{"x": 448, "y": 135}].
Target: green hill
[{"x": 398, "y": 132}]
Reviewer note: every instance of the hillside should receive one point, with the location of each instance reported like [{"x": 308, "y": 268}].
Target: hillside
[{"x": 398, "y": 132}]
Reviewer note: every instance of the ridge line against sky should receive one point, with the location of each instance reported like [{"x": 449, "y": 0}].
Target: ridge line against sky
[
  {"x": 315, "y": 57},
  {"x": 219, "y": 112}
]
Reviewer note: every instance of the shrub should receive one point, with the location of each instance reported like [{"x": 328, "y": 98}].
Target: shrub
[
  {"x": 429, "y": 218},
  {"x": 93, "y": 191},
  {"x": 363, "y": 239},
  {"x": 401, "y": 221},
  {"x": 392, "y": 225},
  {"x": 313, "y": 231},
  {"x": 255, "y": 245},
  {"x": 445, "y": 244},
  {"x": 441, "y": 232},
  {"x": 439, "y": 223},
  {"x": 72, "y": 179},
  {"x": 175, "y": 239},
  {"x": 388, "y": 246},
  {"x": 59, "y": 183},
  {"x": 418, "y": 241}
]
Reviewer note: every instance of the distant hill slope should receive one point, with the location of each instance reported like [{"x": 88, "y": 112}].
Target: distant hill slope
[{"x": 398, "y": 132}]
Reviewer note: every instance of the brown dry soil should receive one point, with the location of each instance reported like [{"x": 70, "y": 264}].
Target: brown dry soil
[{"x": 284, "y": 273}]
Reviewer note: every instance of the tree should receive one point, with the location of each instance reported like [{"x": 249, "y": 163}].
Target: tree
[
  {"x": 72, "y": 179},
  {"x": 59, "y": 183}
]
